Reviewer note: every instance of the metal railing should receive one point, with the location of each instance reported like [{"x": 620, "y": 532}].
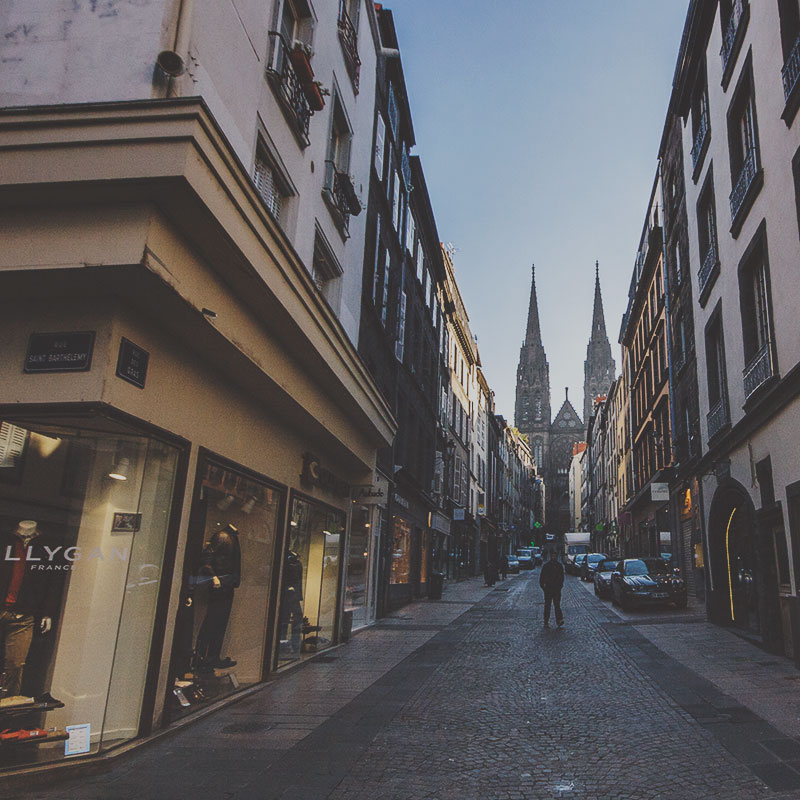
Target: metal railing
[
  {"x": 700, "y": 138},
  {"x": 743, "y": 182},
  {"x": 708, "y": 265},
  {"x": 288, "y": 85},
  {"x": 729, "y": 34},
  {"x": 348, "y": 36},
  {"x": 791, "y": 70},
  {"x": 717, "y": 418},
  {"x": 337, "y": 194},
  {"x": 758, "y": 370}
]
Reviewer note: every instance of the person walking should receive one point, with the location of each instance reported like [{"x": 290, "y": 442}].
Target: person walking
[
  {"x": 551, "y": 579},
  {"x": 504, "y": 567}
]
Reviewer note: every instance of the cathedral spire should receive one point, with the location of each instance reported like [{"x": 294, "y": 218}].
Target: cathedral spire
[
  {"x": 599, "y": 369},
  {"x": 533, "y": 334}
]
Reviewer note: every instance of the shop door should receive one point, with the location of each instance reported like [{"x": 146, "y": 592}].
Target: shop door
[{"x": 743, "y": 574}]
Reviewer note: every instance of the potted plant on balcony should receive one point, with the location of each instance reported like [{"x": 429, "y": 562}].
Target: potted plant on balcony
[
  {"x": 315, "y": 95},
  {"x": 300, "y": 56}
]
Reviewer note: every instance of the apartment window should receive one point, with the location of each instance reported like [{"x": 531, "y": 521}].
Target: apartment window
[
  {"x": 790, "y": 42},
  {"x": 756, "y": 316},
  {"x": 701, "y": 126},
  {"x": 676, "y": 260},
  {"x": 380, "y": 145},
  {"x": 380, "y": 265},
  {"x": 326, "y": 269},
  {"x": 268, "y": 183},
  {"x": 421, "y": 265},
  {"x": 733, "y": 19},
  {"x": 348, "y": 36},
  {"x": 707, "y": 233},
  {"x": 743, "y": 148},
  {"x": 716, "y": 374},
  {"x": 396, "y": 200},
  {"x": 411, "y": 231},
  {"x": 338, "y": 190},
  {"x": 400, "y": 343},
  {"x": 394, "y": 113}
]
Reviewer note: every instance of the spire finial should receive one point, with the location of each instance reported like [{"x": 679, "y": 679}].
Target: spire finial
[
  {"x": 566, "y": 392},
  {"x": 597, "y": 270}
]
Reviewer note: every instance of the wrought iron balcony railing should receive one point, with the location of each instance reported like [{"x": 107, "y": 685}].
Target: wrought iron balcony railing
[
  {"x": 791, "y": 70},
  {"x": 743, "y": 182},
  {"x": 348, "y": 36},
  {"x": 289, "y": 86},
  {"x": 700, "y": 138},
  {"x": 708, "y": 265},
  {"x": 758, "y": 370},
  {"x": 337, "y": 194},
  {"x": 729, "y": 34},
  {"x": 717, "y": 418}
]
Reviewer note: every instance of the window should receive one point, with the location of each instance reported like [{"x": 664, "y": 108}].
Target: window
[
  {"x": 743, "y": 143},
  {"x": 399, "y": 346},
  {"x": 707, "y": 233},
  {"x": 396, "y": 200},
  {"x": 756, "y": 315},
  {"x": 789, "y": 12},
  {"x": 326, "y": 268},
  {"x": 380, "y": 145},
  {"x": 701, "y": 127},
  {"x": 716, "y": 374},
  {"x": 394, "y": 114},
  {"x": 338, "y": 190},
  {"x": 348, "y": 36},
  {"x": 268, "y": 183}
]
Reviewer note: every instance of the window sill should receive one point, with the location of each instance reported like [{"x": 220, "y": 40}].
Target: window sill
[{"x": 747, "y": 203}]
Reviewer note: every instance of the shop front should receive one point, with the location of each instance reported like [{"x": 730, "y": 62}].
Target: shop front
[{"x": 410, "y": 554}]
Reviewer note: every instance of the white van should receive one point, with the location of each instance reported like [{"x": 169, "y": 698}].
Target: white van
[{"x": 575, "y": 543}]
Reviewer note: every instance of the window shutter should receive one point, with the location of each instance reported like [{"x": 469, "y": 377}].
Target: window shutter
[
  {"x": 266, "y": 186},
  {"x": 380, "y": 145},
  {"x": 12, "y": 444},
  {"x": 385, "y": 299},
  {"x": 399, "y": 346},
  {"x": 376, "y": 280}
]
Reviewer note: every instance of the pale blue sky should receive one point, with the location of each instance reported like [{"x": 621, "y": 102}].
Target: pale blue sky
[{"x": 538, "y": 124}]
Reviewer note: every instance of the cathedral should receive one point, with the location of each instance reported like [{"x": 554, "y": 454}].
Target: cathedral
[{"x": 552, "y": 438}]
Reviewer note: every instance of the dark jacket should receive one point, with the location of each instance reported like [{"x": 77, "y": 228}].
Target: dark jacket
[
  {"x": 222, "y": 559},
  {"x": 551, "y": 577},
  {"x": 40, "y": 592}
]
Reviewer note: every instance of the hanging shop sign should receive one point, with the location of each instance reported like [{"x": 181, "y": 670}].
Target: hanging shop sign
[
  {"x": 438, "y": 522},
  {"x": 659, "y": 492},
  {"x": 400, "y": 500},
  {"x": 60, "y": 352},
  {"x": 373, "y": 494},
  {"x": 132, "y": 363},
  {"x": 314, "y": 474},
  {"x": 458, "y": 514}
]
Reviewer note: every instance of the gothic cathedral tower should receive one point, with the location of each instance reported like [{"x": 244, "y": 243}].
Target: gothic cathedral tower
[
  {"x": 599, "y": 369},
  {"x": 532, "y": 409}
]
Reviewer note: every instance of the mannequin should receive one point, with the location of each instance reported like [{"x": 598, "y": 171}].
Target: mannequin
[
  {"x": 221, "y": 561},
  {"x": 292, "y": 600},
  {"x": 27, "y": 600}
]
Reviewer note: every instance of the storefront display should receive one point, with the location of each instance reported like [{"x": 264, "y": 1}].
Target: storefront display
[
  {"x": 401, "y": 552},
  {"x": 220, "y": 639},
  {"x": 356, "y": 588},
  {"x": 84, "y": 516},
  {"x": 310, "y": 580}
]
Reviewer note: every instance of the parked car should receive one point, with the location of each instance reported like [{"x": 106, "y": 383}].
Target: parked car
[
  {"x": 537, "y": 556},
  {"x": 525, "y": 558},
  {"x": 647, "y": 581},
  {"x": 513, "y": 565},
  {"x": 589, "y": 564},
  {"x": 602, "y": 576},
  {"x": 574, "y": 566}
]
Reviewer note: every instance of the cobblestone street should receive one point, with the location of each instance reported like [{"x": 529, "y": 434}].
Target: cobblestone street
[{"x": 465, "y": 699}]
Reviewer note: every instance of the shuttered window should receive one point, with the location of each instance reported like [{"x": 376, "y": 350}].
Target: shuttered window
[
  {"x": 267, "y": 186},
  {"x": 12, "y": 444}
]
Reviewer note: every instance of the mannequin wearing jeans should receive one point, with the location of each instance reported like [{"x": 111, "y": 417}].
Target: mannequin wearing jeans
[{"x": 26, "y": 595}]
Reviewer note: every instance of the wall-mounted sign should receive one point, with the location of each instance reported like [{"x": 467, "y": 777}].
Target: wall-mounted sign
[
  {"x": 314, "y": 474},
  {"x": 659, "y": 492},
  {"x": 374, "y": 494},
  {"x": 60, "y": 352},
  {"x": 400, "y": 500},
  {"x": 126, "y": 522},
  {"x": 132, "y": 363},
  {"x": 458, "y": 514}
]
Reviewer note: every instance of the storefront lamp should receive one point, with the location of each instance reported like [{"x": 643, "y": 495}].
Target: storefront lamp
[
  {"x": 119, "y": 472},
  {"x": 249, "y": 505},
  {"x": 226, "y": 502}
]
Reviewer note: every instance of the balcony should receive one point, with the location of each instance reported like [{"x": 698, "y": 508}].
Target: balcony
[
  {"x": 758, "y": 371},
  {"x": 348, "y": 37},
  {"x": 340, "y": 196},
  {"x": 717, "y": 418},
  {"x": 743, "y": 183},
  {"x": 729, "y": 42},
  {"x": 289, "y": 88},
  {"x": 709, "y": 262},
  {"x": 700, "y": 140},
  {"x": 791, "y": 70}
]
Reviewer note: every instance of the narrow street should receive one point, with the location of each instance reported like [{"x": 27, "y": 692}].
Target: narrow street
[{"x": 470, "y": 697}]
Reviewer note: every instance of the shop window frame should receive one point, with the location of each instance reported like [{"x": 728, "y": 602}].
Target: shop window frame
[{"x": 194, "y": 547}]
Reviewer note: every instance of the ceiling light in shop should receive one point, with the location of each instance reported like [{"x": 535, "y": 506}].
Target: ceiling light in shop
[
  {"x": 225, "y": 503},
  {"x": 119, "y": 471}
]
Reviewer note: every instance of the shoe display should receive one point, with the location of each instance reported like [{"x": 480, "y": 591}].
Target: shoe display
[
  {"x": 224, "y": 663},
  {"x": 49, "y": 700}
]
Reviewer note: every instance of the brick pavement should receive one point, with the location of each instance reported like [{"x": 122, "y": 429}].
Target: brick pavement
[{"x": 471, "y": 698}]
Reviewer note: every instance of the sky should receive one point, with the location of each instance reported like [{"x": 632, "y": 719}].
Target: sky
[{"x": 538, "y": 124}]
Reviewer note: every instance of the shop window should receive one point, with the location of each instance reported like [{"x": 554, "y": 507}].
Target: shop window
[
  {"x": 355, "y": 593},
  {"x": 83, "y": 531},
  {"x": 309, "y": 580},
  {"x": 221, "y": 628},
  {"x": 401, "y": 552}
]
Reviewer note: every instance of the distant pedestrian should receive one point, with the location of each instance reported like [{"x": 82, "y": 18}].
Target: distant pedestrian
[
  {"x": 504, "y": 567},
  {"x": 551, "y": 579},
  {"x": 490, "y": 573}
]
